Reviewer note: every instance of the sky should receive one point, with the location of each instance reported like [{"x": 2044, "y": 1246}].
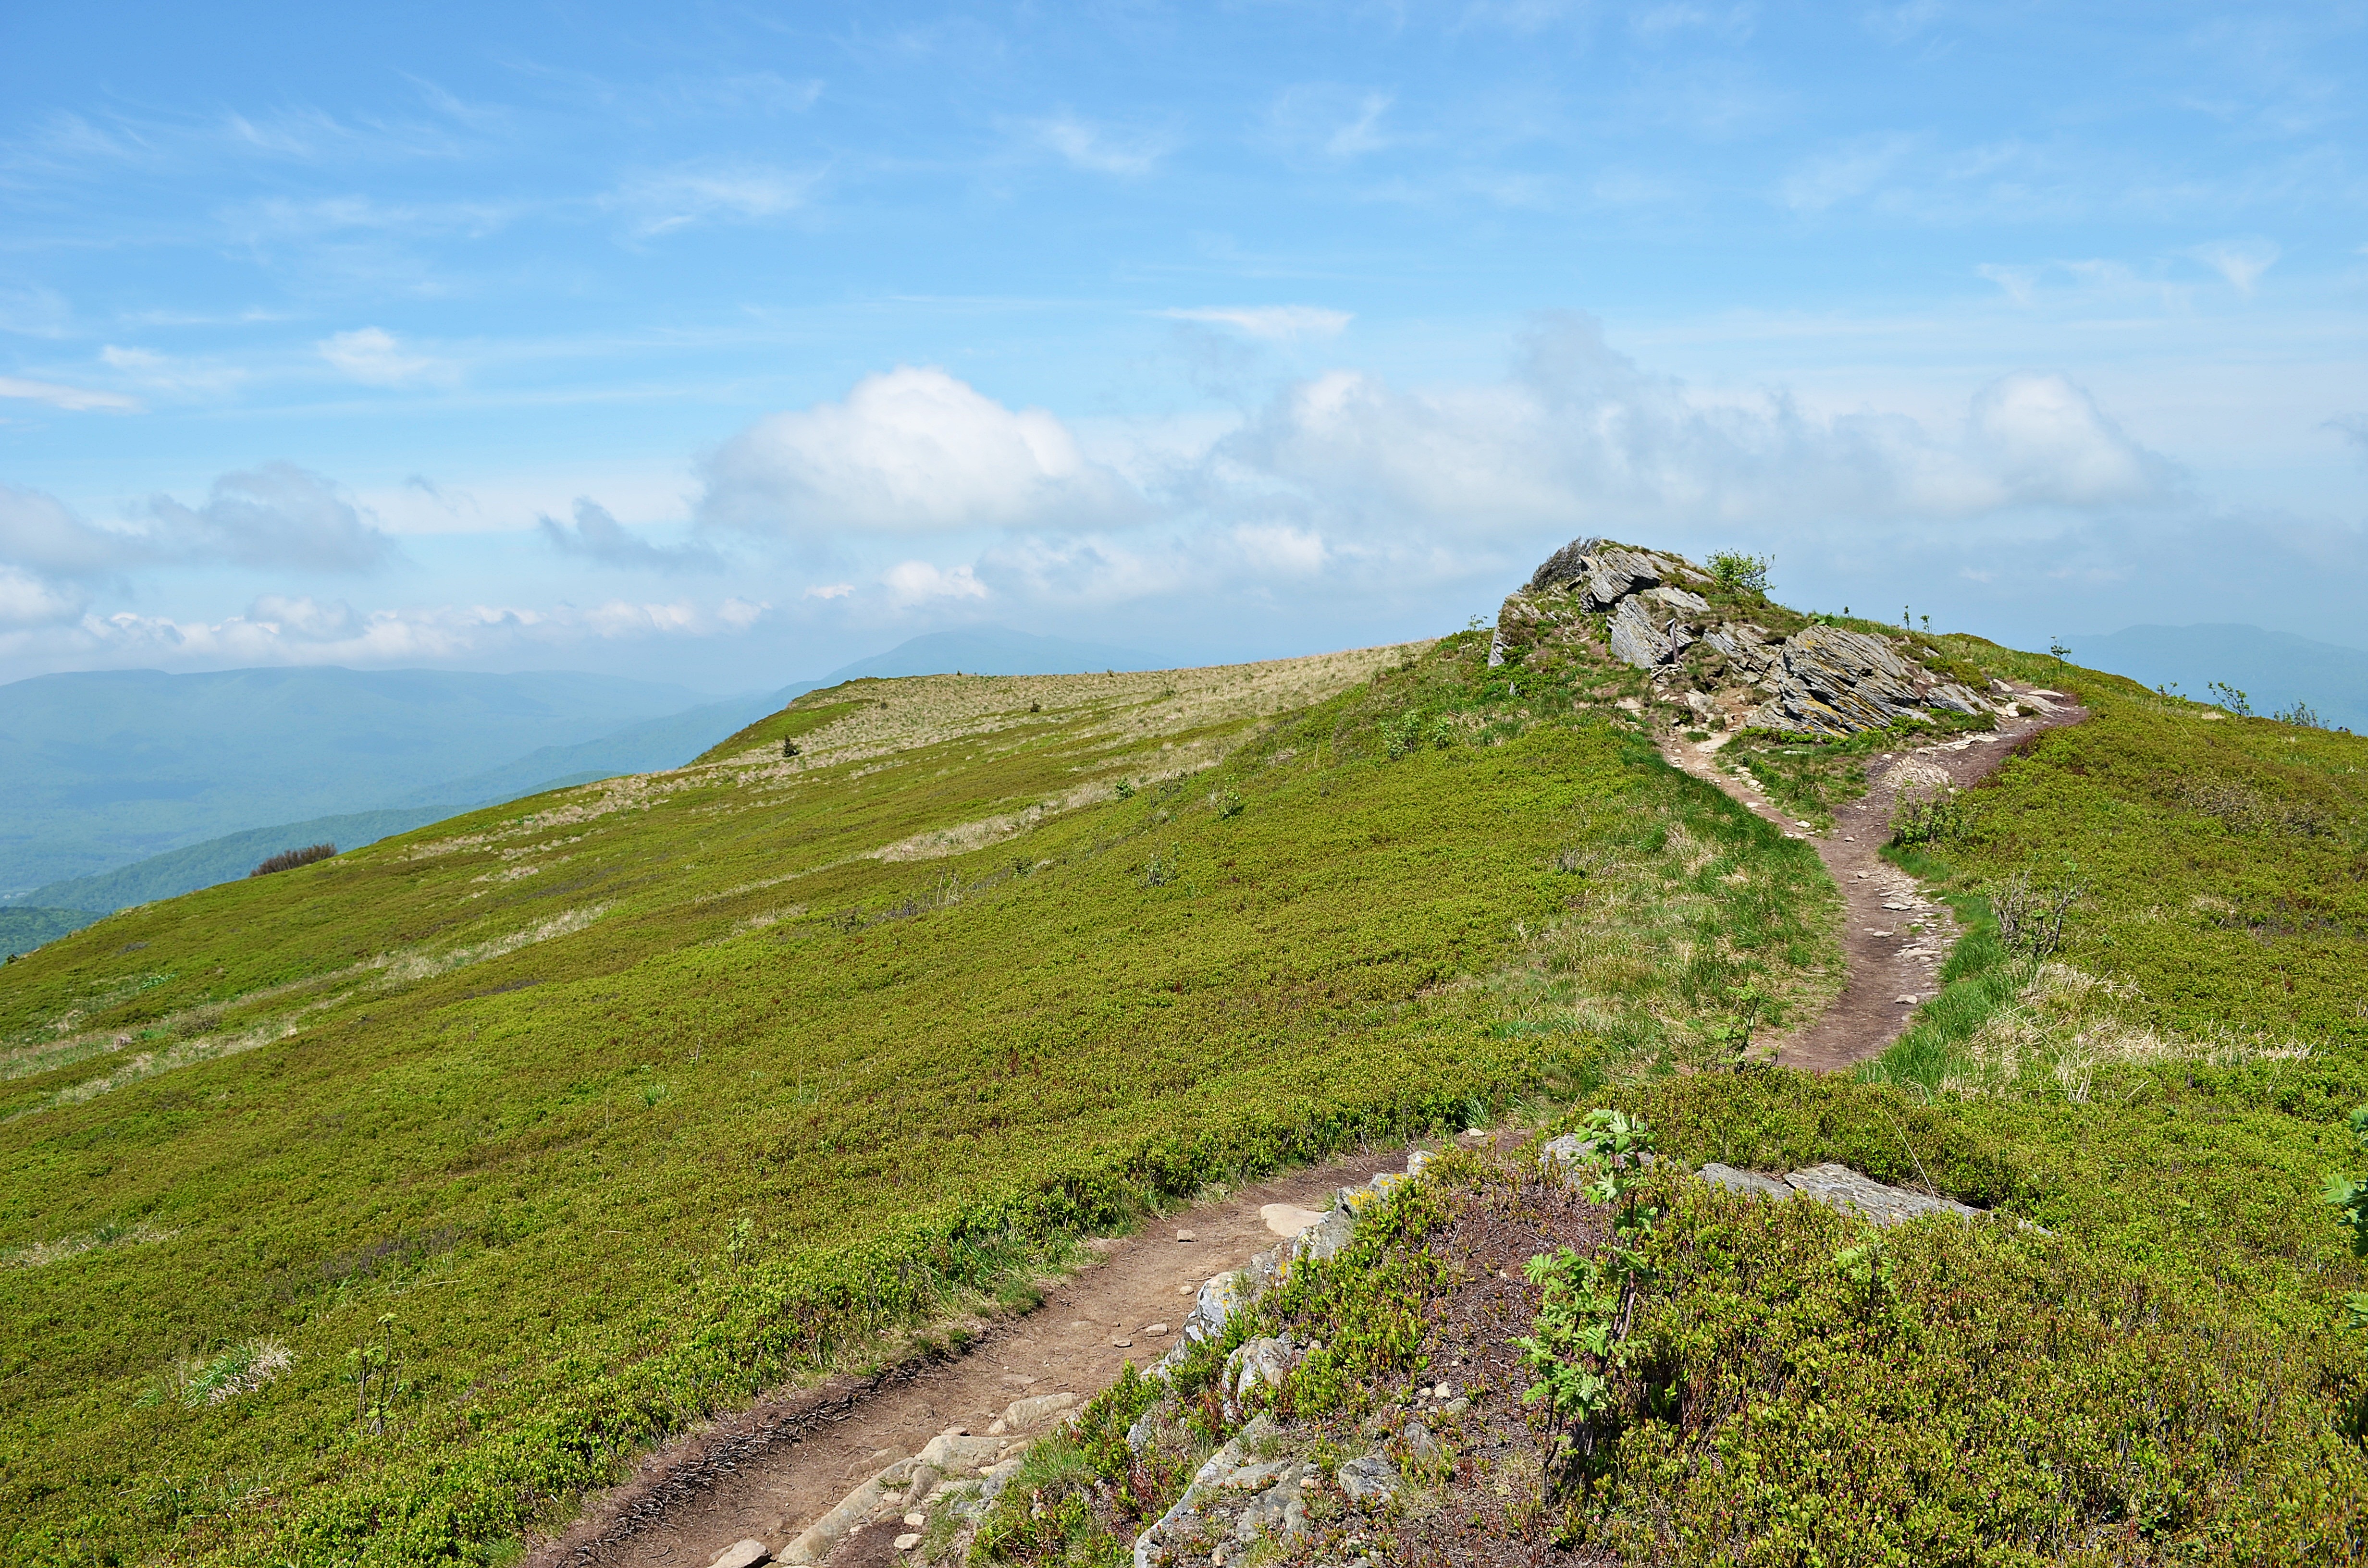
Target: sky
[{"x": 725, "y": 344}]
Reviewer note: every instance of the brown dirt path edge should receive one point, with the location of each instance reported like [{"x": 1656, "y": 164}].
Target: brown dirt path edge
[
  {"x": 1893, "y": 937},
  {"x": 771, "y": 1470}
]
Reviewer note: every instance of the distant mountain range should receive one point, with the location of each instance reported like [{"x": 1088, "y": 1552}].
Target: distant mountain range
[
  {"x": 107, "y": 765},
  {"x": 2274, "y": 669}
]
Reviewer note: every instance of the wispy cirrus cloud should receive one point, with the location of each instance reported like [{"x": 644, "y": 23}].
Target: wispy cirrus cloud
[
  {"x": 1277, "y": 323},
  {"x": 663, "y": 200},
  {"x": 75, "y": 400},
  {"x": 1099, "y": 149},
  {"x": 373, "y": 357}
]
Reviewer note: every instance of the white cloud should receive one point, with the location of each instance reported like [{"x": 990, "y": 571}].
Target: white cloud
[
  {"x": 914, "y": 450},
  {"x": 1579, "y": 436},
  {"x": 831, "y": 591},
  {"x": 75, "y": 400},
  {"x": 917, "y": 582},
  {"x": 2241, "y": 262},
  {"x": 675, "y": 197},
  {"x": 1094, "y": 148},
  {"x": 371, "y": 356},
  {"x": 277, "y": 515},
  {"x": 41, "y": 535},
  {"x": 1282, "y": 322},
  {"x": 297, "y": 630},
  {"x": 27, "y": 601}
]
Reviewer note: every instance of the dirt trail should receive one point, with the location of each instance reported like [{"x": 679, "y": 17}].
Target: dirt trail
[
  {"x": 1893, "y": 937},
  {"x": 773, "y": 1469}
]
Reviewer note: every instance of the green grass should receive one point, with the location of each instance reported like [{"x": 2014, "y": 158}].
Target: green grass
[
  {"x": 535, "y": 1135},
  {"x": 2169, "y": 1374}
]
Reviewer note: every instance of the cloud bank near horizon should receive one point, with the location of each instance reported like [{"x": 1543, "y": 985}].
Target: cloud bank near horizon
[{"x": 917, "y": 500}]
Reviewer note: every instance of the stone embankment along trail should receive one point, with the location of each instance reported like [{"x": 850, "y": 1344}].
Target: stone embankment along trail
[
  {"x": 771, "y": 1473},
  {"x": 1895, "y": 937}
]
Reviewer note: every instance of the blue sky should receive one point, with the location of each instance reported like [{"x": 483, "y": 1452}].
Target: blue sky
[{"x": 726, "y": 344}]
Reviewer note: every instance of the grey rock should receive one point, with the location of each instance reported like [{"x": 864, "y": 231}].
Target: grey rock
[
  {"x": 1843, "y": 1188},
  {"x": 1679, "y": 599},
  {"x": 1956, "y": 699},
  {"x": 742, "y": 1554},
  {"x": 1564, "y": 566},
  {"x": 1259, "y": 1363},
  {"x": 1282, "y": 1508},
  {"x": 1326, "y": 1237},
  {"x": 1455, "y": 1406},
  {"x": 1835, "y": 682},
  {"x": 1745, "y": 1181},
  {"x": 1369, "y": 1482},
  {"x": 1613, "y": 574},
  {"x": 1647, "y": 637},
  {"x": 1420, "y": 1445},
  {"x": 1232, "y": 1468}
]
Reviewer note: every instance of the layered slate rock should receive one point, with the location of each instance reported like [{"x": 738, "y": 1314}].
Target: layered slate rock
[{"x": 1637, "y": 605}]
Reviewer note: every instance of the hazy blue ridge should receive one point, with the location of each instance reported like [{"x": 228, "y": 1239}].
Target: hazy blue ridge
[
  {"x": 645, "y": 747},
  {"x": 2274, "y": 669},
  {"x": 107, "y": 768},
  {"x": 217, "y": 860},
  {"x": 23, "y": 928},
  {"x": 991, "y": 651}
]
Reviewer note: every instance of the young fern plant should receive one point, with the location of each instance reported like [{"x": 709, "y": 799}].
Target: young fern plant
[{"x": 1580, "y": 1336}]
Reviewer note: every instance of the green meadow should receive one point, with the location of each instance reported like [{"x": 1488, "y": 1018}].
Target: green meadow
[{"x": 372, "y": 1210}]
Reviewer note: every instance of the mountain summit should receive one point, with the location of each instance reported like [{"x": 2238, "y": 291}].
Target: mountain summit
[{"x": 1715, "y": 644}]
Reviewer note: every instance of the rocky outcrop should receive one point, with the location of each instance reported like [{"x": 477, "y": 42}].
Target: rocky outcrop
[{"x": 1723, "y": 667}]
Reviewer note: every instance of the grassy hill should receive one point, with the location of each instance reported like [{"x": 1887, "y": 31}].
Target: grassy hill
[
  {"x": 560, "y": 1124},
  {"x": 370, "y": 1212}
]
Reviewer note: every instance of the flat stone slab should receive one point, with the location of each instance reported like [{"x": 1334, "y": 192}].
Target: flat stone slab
[{"x": 1840, "y": 1187}]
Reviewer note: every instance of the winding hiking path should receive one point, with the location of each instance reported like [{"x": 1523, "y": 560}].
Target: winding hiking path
[
  {"x": 1893, "y": 937},
  {"x": 769, "y": 1472}
]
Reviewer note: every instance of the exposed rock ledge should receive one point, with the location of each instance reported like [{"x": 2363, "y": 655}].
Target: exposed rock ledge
[{"x": 1821, "y": 680}]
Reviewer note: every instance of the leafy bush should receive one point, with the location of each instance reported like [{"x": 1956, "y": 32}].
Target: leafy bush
[
  {"x": 289, "y": 859},
  {"x": 1740, "y": 574}
]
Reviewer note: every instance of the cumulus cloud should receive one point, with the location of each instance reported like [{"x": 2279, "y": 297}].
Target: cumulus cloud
[
  {"x": 27, "y": 600},
  {"x": 1280, "y": 323},
  {"x": 597, "y": 536},
  {"x": 371, "y": 356},
  {"x": 277, "y": 515},
  {"x": 41, "y": 535},
  {"x": 917, "y": 582},
  {"x": 915, "y": 450},
  {"x": 1580, "y": 434}
]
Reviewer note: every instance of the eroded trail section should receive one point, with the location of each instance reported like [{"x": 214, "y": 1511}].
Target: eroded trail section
[
  {"x": 1895, "y": 937},
  {"x": 772, "y": 1472}
]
